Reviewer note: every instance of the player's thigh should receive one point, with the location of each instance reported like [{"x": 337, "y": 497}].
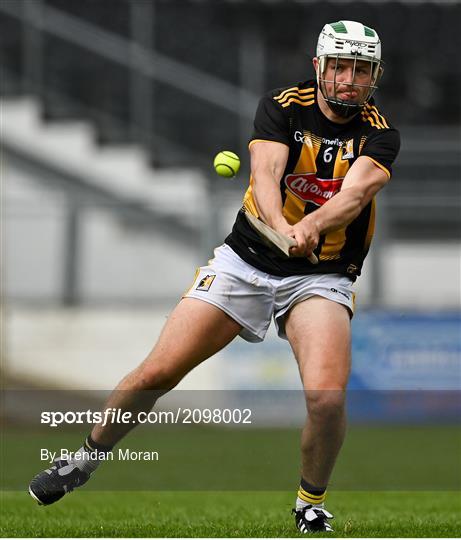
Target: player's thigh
[
  {"x": 194, "y": 331},
  {"x": 318, "y": 330}
]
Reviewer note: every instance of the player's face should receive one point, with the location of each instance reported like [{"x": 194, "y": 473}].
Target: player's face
[{"x": 347, "y": 81}]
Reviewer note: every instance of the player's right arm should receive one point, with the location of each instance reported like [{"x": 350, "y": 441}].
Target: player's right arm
[
  {"x": 268, "y": 161},
  {"x": 269, "y": 150}
]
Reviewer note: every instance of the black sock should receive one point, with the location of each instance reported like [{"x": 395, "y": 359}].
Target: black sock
[
  {"x": 309, "y": 494},
  {"x": 90, "y": 446}
]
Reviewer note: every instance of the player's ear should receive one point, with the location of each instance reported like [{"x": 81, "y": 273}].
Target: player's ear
[{"x": 316, "y": 64}]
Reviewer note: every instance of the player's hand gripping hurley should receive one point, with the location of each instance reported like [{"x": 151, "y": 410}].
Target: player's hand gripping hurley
[{"x": 280, "y": 243}]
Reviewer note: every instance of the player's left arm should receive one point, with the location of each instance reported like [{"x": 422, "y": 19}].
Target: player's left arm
[{"x": 361, "y": 183}]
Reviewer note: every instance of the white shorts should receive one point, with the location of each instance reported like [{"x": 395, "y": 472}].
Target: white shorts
[{"x": 252, "y": 297}]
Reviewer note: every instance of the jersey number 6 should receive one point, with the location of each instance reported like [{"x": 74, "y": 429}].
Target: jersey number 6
[{"x": 327, "y": 156}]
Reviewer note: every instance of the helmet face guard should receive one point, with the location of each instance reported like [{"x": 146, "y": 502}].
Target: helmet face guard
[
  {"x": 341, "y": 107},
  {"x": 353, "y": 42}
]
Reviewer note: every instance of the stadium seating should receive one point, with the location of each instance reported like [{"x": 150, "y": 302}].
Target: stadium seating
[{"x": 421, "y": 86}]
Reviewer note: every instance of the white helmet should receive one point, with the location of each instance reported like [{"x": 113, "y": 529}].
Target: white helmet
[{"x": 350, "y": 40}]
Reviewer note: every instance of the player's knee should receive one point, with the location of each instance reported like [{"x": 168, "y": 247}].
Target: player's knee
[
  {"x": 153, "y": 376},
  {"x": 325, "y": 405}
]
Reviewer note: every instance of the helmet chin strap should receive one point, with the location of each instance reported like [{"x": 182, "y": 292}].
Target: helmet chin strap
[{"x": 344, "y": 109}]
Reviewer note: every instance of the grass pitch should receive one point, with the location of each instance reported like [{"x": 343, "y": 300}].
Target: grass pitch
[
  {"x": 182, "y": 494},
  {"x": 227, "y": 514}
]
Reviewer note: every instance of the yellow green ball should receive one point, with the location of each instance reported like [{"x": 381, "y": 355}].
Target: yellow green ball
[{"x": 227, "y": 164}]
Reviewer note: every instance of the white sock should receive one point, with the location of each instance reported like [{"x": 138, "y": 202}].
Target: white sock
[
  {"x": 84, "y": 460},
  {"x": 300, "y": 504}
]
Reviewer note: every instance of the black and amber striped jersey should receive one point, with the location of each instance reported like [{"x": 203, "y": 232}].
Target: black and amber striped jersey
[{"x": 320, "y": 154}]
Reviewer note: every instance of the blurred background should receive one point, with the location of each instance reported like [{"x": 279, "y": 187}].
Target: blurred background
[{"x": 111, "y": 114}]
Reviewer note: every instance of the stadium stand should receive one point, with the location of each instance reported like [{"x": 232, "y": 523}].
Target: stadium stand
[{"x": 174, "y": 81}]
